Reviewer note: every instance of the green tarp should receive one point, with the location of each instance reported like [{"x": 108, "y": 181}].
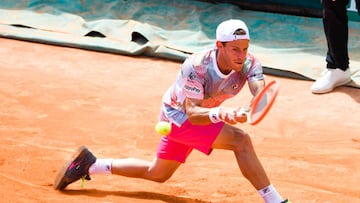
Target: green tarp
[
  {"x": 287, "y": 45},
  {"x": 310, "y": 8}
]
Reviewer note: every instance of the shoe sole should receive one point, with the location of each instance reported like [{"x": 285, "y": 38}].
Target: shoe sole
[
  {"x": 332, "y": 88},
  {"x": 60, "y": 179}
]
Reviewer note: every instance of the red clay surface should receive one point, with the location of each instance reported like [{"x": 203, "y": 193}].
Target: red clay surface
[{"x": 55, "y": 99}]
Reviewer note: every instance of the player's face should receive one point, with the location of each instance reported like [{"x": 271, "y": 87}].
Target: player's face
[{"x": 233, "y": 53}]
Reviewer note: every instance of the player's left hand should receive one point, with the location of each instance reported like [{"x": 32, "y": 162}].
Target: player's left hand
[
  {"x": 241, "y": 113},
  {"x": 240, "y": 116}
]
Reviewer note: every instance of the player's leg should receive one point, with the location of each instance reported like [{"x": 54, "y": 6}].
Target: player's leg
[
  {"x": 235, "y": 139},
  {"x": 84, "y": 164},
  {"x": 159, "y": 170},
  {"x": 170, "y": 156}
]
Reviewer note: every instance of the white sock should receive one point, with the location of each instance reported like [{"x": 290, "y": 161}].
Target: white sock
[
  {"x": 270, "y": 195},
  {"x": 101, "y": 166}
]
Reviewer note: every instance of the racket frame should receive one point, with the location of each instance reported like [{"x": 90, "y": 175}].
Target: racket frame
[{"x": 257, "y": 99}]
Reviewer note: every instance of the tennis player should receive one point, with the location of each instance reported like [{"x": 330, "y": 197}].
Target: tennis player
[{"x": 193, "y": 106}]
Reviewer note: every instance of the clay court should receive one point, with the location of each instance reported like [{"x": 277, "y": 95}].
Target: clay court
[{"x": 55, "y": 99}]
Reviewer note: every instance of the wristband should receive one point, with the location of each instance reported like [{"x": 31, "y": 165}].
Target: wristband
[{"x": 214, "y": 115}]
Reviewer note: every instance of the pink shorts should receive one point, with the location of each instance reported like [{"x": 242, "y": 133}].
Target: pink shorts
[{"x": 182, "y": 140}]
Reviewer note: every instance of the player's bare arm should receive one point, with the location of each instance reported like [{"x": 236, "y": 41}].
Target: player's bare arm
[{"x": 256, "y": 86}]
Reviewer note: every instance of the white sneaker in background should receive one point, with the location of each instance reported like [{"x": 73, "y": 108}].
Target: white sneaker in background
[{"x": 331, "y": 79}]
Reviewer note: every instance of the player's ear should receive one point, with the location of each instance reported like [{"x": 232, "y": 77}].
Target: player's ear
[{"x": 219, "y": 44}]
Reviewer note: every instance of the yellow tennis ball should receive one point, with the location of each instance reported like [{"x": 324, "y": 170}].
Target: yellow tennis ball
[{"x": 163, "y": 127}]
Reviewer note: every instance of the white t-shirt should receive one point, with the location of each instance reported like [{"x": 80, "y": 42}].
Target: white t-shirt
[{"x": 201, "y": 79}]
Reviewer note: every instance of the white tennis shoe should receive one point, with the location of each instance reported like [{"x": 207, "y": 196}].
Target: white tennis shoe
[{"x": 330, "y": 79}]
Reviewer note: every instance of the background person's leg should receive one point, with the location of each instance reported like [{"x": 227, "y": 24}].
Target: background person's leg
[{"x": 335, "y": 22}]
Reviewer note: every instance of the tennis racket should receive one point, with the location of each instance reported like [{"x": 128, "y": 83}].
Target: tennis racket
[{"x": 261, "y": 103}]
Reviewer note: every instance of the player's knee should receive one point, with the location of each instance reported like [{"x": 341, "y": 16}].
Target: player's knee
[
  {"x": 242, "y": 141},
  {"x": 160, "y": 178},
  {"x": 157, "y": 176}
]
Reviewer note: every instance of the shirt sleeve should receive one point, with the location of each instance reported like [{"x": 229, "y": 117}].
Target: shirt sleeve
[{"x": 255, "y": 70}]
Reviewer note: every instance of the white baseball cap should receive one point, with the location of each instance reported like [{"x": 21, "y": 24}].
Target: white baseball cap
[{"x": 225, "y": 32}]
